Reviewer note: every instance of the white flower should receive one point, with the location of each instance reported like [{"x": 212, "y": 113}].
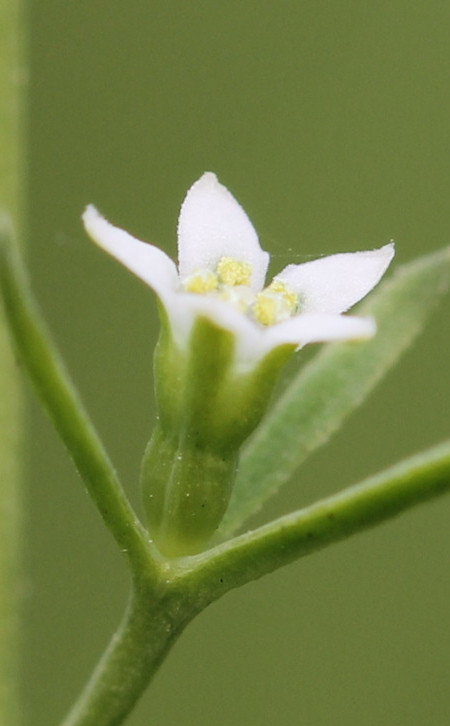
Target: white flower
[{"x": 221, "y": 275}]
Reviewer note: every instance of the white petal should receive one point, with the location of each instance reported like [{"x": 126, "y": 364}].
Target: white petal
[
  {"x": 219, "y": 312},
  {"x": 184, "y": 308},
  {"x": 146, "y": 261},
  {"x": 319, "y": 328},
  {"x": 335, "y": 283},
  {"x": 213, "y": 225}
]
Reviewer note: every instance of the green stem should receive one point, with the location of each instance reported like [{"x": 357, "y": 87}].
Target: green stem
[
  {"x": 252, "y": 555},
  {"x": 161, "y": 607},
  {"x": 152, "y": 623},
  {"x": 11, "y": 178},
  {"x": 59, "y": 397}
]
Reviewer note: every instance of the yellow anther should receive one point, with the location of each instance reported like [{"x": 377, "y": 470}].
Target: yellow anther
[
  {"x": 232, "y": 272},
  {"x": 266, "y": 308},
  {"x": 290, "y": 298},
  {"x": 231, "y": 283},
  {"x": 201, "y": 282},
  {"x": 275, "y": 304}
]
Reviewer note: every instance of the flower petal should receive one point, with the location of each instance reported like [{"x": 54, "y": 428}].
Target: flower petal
[
  {"x": 250, "y": 338},
  {"x": 219, "y": 312},
  {"x": 146, "y": 261},
  {"x": 319, "y": 328},
  {"x": 335, "y": 283},
  {"x": 213, "y": 225}
]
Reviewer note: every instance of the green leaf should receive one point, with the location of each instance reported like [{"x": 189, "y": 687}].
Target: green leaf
[{"x": 329, "y": 388}]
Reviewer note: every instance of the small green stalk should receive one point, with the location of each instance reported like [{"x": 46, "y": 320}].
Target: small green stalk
[
  {"x": 11, "y": 179},
  {"x": 362, "y": 506}
]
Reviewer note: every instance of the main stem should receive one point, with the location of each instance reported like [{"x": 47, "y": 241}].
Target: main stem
[
  {"x": 151, "y": 624},
  {"x": 11, "y": 157}
]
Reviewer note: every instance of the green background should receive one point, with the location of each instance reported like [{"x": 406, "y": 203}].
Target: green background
[{"x": 330, "y": 122}]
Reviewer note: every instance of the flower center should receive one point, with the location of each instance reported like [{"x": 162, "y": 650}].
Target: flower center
[{"x": 230, "y": 281}]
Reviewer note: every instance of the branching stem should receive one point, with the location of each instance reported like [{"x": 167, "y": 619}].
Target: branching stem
[
  {"x": 60, "y": 398},
  {"x": 159, "y": 611}
]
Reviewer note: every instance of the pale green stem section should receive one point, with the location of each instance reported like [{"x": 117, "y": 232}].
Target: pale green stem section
[
  {"x": 59, "y": 397},
  {"x": 160, "y": 609},
  {"x": 11, "y": 156}
]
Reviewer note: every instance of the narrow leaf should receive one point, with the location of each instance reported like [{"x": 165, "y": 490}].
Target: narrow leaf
[{"x": 332, "y": 385}]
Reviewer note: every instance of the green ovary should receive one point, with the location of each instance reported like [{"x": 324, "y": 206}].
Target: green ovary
[{"x": 186, "y": 493}]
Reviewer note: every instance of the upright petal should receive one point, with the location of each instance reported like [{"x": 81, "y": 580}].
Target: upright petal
[
  {"x": 335, "y": 283},
  {"x": 213, "y": 225},
  {"x": 146, "y": 261}
]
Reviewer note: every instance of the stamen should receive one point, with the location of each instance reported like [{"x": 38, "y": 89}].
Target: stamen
[
  {"x": 275, "y": 304},
  {"x": 232, "y": 272},
  {"x": 289, "y": 296},
  {"x": 265, "y": 308},
  {"x": 201, "y": 282},
  {"x": 231, "y": 283}
]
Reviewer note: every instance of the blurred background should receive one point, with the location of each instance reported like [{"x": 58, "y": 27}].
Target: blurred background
[{"x": 330, "y": 122}]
